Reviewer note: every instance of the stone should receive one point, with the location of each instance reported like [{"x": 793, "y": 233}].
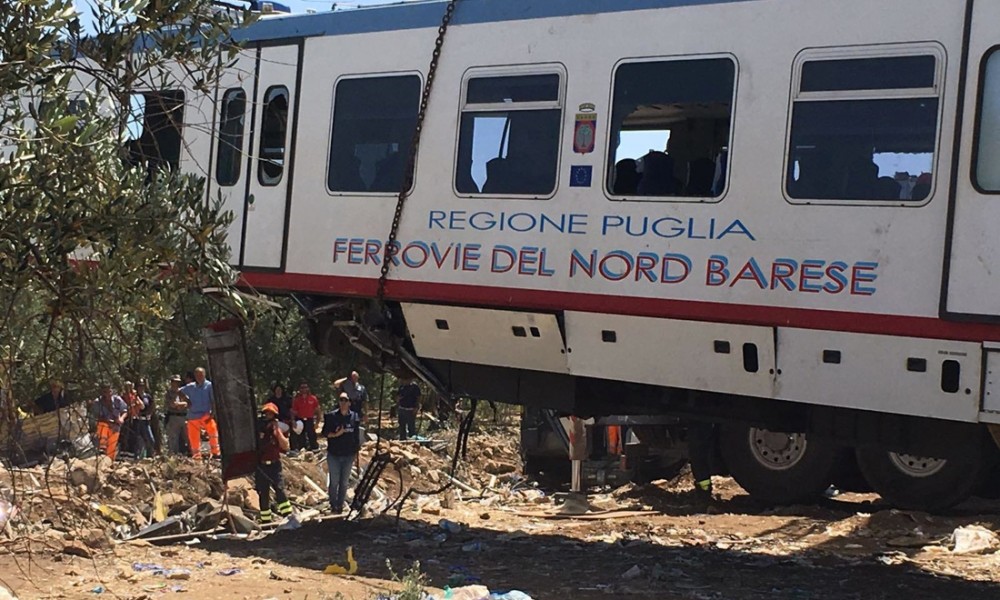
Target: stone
[
  {"x": 179, "y": 575},
  {"x": 171, "y": 499},
  {"x": 495, "y": 467},
  {"x": 124, "y": 495},
  {"x": 77, "y": 548},
  {"x": 470, "y": 592},
  {"x": 240, "y": 522},
  {"x": 449, "y": 499},
  {"x": 96, "y": 539},
  {"x": 6, "y": 594},
  {"x": 88, "y": 474},
  {"x": 251, "y": 500},
  {"x": 207, "y": 515}
]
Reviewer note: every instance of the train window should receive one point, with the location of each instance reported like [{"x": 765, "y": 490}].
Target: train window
[
  {"x": 274, "y": 130},
  {"x": 864, "y": 129},
  {"x": 373, "y": 123},
  {"x": 153, "y": 129},
  {"x": 229, "y": 156},
  {"x": 670, "y": 125},
  {"x": 988, "y": 151},
  {"x": 509, "y": 136}
]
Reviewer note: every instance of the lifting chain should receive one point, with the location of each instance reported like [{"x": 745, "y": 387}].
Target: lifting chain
[{"x": 411, "y": 161}]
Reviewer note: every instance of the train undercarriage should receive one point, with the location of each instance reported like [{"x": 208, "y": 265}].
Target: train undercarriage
[{"x": 780, "y": 452}]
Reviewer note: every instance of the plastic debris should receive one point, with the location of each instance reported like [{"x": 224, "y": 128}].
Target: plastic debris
[
  {"x": 229, "y": 572},
  {"x": 511, "y": 595},
  {"x": 450, "y": 526},
  {"x": 147, "y": 567},
  {"x": 7, "y": 511},
  {"x": 351, "y": 569},
  {"x": 97, "y": 590},
  {"x": 974, "y": 539}
]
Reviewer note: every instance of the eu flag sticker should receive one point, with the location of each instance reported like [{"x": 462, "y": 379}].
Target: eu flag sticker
[{"x": 581, "y": 175}]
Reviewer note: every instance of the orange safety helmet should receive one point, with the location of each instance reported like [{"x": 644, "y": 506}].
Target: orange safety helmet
[{"x": 269, "y": 407}]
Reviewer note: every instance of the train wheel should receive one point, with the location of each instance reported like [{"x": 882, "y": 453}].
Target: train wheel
[
  {"x": 775, "y": 467},
  {"x": 926, "y": 483}
]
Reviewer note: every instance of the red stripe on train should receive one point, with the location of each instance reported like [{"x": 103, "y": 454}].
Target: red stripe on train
[{"x": 525, "y": 299}]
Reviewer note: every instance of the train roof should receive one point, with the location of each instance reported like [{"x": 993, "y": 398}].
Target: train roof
[{"x": 417, "y": 15}]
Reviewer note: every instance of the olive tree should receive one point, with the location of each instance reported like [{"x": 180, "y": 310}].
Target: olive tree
[{"x": 101, "y": 234}]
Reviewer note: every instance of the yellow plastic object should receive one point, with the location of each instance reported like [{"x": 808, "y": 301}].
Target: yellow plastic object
[
  {"x": 352, "y": 565},
  {"x": 112, "y": 514}
]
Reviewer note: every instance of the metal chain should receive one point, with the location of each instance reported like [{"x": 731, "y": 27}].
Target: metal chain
[{"x": 411, "y": 161}]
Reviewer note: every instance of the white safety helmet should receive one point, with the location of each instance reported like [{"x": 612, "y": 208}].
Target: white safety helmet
[{"x": 299, "y": 427}]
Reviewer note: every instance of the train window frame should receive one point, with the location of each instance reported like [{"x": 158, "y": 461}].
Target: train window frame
[
  {"x": 179, "y": 97},
  {"x": 332, "y": 123},
  {"x": 237, "y": 171},
  {"x": 465, "y": 107},
  {"x": 862, "y": 52},
  {"x": 991, "y": 53},
  {"x": 286, "y": 149},
  {"x": 608, "y": 163}
]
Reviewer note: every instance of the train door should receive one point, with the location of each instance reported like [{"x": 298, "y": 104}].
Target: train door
[
  {"x": 973, "y": 284},
  {"x": 231, "y": 145},
  {"x": 270, "y": 169}
]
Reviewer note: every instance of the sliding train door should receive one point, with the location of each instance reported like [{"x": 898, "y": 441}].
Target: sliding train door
[
  {"x": 271, "y": 164},
  {"x": 973, "y": 272}
]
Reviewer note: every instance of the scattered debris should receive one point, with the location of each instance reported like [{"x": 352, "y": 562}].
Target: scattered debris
[
  {"x": 632, "y": 573},
  {"x": 974, "y": 540}
]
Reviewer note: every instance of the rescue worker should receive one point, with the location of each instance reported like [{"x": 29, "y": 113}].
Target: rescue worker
[
  {"x": 407, "y": 405},
  {"x": 110, "y": 411},
  {"x": 271, "y": 443},
  {"x": 201, "y": 414},
  {"x": 701, "y": 441},
  {"x": 145, "y": 442},
  {"x": 177, "y": 407}
]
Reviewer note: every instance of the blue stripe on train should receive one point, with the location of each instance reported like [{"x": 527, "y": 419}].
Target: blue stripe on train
[{"x": 428, "y": 14}]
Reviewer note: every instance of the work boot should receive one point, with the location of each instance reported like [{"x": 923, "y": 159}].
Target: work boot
[
  {"x": 266, "y": 518},
  {"x": 703, "y": 493},
  {"x": 285, "y": 508}
]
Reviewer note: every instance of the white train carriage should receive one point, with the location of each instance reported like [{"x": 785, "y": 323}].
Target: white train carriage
[{"x": 774, "y": 214}]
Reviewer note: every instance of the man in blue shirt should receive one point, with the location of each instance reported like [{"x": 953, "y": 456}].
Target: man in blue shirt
[{"x": 201, "y": 414}]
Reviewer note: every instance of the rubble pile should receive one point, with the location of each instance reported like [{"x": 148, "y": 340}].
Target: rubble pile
[{"x": 79, "y": 506}]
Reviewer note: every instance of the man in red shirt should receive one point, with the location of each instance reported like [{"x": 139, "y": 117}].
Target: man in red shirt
[{"x": 305, "y": 407}]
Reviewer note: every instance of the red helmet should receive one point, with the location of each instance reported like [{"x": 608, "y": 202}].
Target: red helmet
[{"x": 270, "y": 407}]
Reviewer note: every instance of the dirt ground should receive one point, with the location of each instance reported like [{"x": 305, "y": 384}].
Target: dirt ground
[{"x": 655, "y": 543}]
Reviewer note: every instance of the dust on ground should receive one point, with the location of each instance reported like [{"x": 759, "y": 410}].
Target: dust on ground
[{"x": 500, "y": 530}]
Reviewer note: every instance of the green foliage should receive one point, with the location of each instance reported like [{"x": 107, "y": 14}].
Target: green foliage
[
  {"x": 100, "y": 245},
  {"x": 413, "y": 582}
]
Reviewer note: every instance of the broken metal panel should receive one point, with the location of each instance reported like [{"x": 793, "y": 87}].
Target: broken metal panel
[
  {"x": 31, "y": 439},
  {"x": 235, "y": 409}
]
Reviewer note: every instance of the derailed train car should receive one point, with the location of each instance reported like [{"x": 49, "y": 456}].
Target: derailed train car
[{"x": 774, "y": 215}]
